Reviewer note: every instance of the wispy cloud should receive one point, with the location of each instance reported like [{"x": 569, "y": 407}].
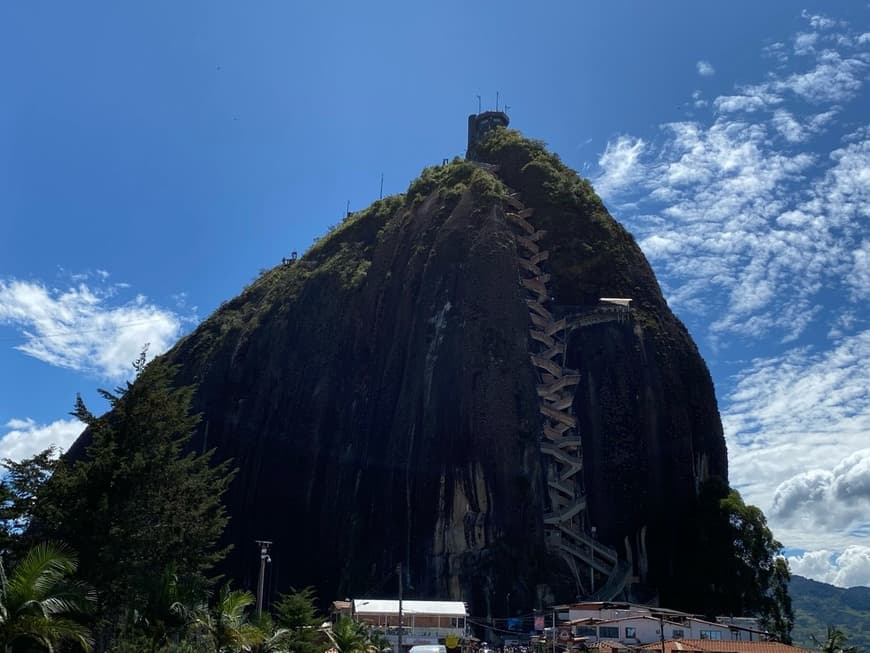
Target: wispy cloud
[
  {"x": 755, "y": 220},
  {"x": 620, "y": 164},
  {"x": 24, "y": 437},
  {"x": 85, "y": 327},
  {"x": 705, "y": 68},
  {"x": 766, "y": 224}
]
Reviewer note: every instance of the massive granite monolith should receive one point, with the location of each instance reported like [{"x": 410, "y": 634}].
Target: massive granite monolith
[{"x": 379, "y": 400}]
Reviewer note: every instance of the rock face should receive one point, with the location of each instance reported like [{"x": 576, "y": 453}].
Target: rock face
[{"x": 380, "y": 403}]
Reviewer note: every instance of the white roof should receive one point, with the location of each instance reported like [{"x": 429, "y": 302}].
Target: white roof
[
  {"x": 390, "y": 606},
  {"x": 621, "y": 301}
]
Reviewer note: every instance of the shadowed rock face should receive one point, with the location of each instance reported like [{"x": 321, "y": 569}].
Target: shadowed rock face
[{"x": 378, "y": 399}]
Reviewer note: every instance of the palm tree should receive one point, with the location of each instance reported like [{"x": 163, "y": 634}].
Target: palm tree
[
  {"x": 39, "y": 602},
  {"x": 378, "y": 643},
  {"x": 170, "y": 606},
  {"x": 226, "y": 625},
  {"x": 834, "y": 642},
  {"x": 349, "y": 636}
]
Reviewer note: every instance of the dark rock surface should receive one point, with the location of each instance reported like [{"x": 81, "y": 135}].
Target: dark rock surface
[{"x": 377, "y": 397}]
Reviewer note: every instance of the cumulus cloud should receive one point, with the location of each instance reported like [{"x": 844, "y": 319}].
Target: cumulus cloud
[
  {"x": 849, "y": 568},
  {"x": 84, "y": 327},
  {"x": 834, "y": 79},
  {"x": 705, "y": 68},
  {"x": 837, "y": 498},
  {"x": 805, "y": 43},
  {"x": 24, "y": 437}
]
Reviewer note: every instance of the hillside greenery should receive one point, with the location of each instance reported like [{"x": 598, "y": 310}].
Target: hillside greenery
[{"x": 819, "y": 605}]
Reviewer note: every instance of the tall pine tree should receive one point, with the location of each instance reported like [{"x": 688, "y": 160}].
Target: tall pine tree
[{"x": 139, "y": 504}]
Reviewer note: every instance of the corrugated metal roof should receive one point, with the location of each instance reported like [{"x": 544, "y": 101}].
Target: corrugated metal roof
[{"x": 390, "y": 606}]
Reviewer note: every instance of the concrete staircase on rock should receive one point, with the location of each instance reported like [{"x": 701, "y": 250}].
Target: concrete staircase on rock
[{"x": 566, "y": 525}]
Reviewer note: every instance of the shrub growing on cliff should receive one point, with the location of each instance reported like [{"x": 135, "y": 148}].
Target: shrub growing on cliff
[{"x": 454, "y": 179}]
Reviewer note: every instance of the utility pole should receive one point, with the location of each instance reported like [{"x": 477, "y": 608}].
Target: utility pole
[
  {"x": 662, "y": 631},
  {"x": 264, "y": 558},
  {"x": 399, "y": 572},
  {"x": 592, "y": 557},
  {"x": 554, "y": 630}
]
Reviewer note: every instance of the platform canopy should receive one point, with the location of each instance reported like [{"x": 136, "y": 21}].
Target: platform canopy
[{"x": 390, "y": 606}]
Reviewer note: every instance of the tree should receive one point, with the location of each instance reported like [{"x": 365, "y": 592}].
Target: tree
[
  {"x": 295, "y": 613},
  {"x": 739, "y": 569},
  {"x": 40, "y": 603},
  {"x": 349, "y": 636},
  {"x": 169, "y": 608},
  {"x": 19, "y": 488},
  {"x": 226, "y": 625},
  {"x": 778, "y": 615},
  {"x": 835, "y": 642},
  {"x": 138, "y": 502}
]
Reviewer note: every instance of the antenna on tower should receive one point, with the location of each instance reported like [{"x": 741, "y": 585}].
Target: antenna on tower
[
  {"x": 381, "y": 196},
  {"x": 496, "y": 100},
  {"x": 479, "y": 108}
]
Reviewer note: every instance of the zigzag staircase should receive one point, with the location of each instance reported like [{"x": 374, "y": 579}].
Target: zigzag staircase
[{"x": 566, "y": 523}]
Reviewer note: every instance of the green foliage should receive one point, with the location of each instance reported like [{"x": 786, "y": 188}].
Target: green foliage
[
  {"x": 226, "y": 626},
  {"x": 818, "y": 605},
  {"x": 835, "y": 641},
  {"x": 453, "y": 180},
  {"x": 138, "y": 505},
  {"x": 525, "y": 163},
  {"x": 749, "y": 576},
  {"x": 18, "y": 491},
  {"x": 41, "y": 604},
  {"x": 296, "y": 615},
  {"x": 349, "y": 636}
]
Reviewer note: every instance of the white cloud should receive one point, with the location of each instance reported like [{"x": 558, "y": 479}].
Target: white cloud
[
  {"x": 849, "y": 568},
  {"x": 817, "y": 21},
  {"x": 79, "y": 328},
  {"x": 756, "y": 227},
  {"x": 705, "y": 68},
  {"x": 790, "y": 128},
  {"x": 735, "y": 103},
  {"x": 805, "y": 43},
  {"x": 836, "y": 499},
  {"x": 24, "y": 437},
  {"x": 620, "y": 164},
  {"x": 834, "y": 79},
  {"x": 797, "y": 428}
]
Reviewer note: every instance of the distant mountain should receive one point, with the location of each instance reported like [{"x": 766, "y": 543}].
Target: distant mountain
[{"x": 816, "y": 605}]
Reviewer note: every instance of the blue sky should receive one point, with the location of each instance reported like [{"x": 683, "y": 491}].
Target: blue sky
[{"x": 154, "y": 158}]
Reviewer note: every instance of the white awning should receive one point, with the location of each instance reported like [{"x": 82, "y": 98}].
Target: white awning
[{"x": 390, "y": 606}]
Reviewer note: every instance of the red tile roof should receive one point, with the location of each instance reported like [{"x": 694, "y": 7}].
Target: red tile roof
[{"x": 722, "y": 646}]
